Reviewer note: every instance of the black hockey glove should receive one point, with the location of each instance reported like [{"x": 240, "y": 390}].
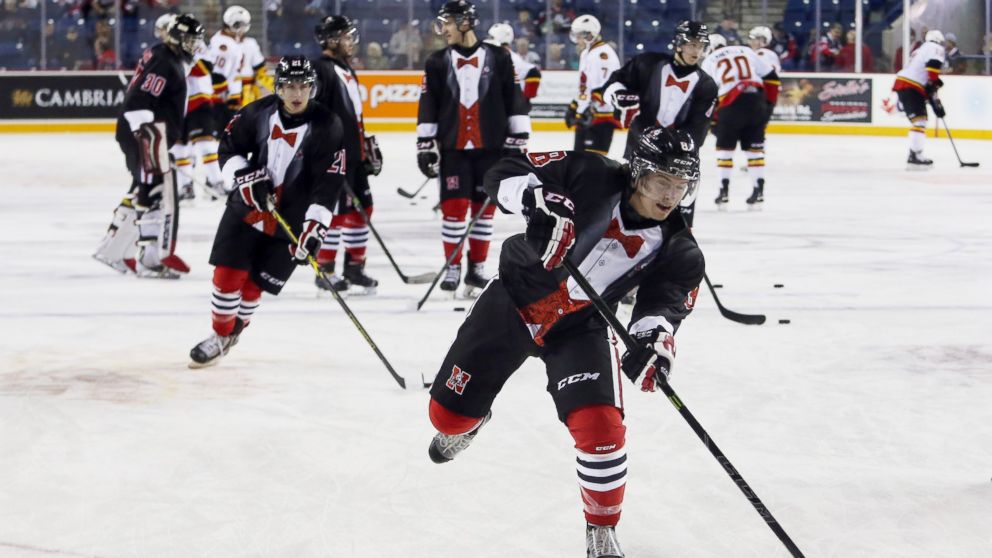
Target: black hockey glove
[
  {"x": 373, "y": 156},
  {"x": 650, "y": 360},
  {"x": 310, "y": 240},
  {"x": 428, "y": 157},
  {"x": 938, "y": 107},
  {"x": 625, "y": 107},
  {"x": 933, "y": 86},
  {"x": 151, "y": 137},
  {"x": 573, "y": 118},
  {"x": 515, "y": 144},
  {"x": 255, "y": 187},
  {"x": 550, "y": 228}
]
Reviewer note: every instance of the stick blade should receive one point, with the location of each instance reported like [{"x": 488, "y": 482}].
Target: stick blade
[
  {"x": 421, "y": 279},
  {"x": 405, "y": 194},
  {"x": 746, "y": 319},
  {"x": 972, "y": 165}
]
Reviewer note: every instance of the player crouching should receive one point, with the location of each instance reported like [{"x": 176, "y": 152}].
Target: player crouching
[{"x": 282, "y": 153}]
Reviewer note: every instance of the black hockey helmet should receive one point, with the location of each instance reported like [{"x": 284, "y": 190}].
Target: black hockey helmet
[
  {"x": 668, "y": 151},
  {"x": 185, "y": 33},
  {"x": 462, "y": 11},
  {"x": 691, "y": 30},
  {"x": 295, "y": 68},
  {"x": 332, "y": 28}
]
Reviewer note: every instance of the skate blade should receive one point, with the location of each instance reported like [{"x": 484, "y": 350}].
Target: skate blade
[
  {"x": 754, "y": 206},
  {"x": 471, "y": 292},
  {"x": 326, "y": 293},
  {"x": 198, "y": 365},
  {"x": 912, "y": 167},
  {"x": 722, "y": 206},
  {"x": 166, "y": 274}
]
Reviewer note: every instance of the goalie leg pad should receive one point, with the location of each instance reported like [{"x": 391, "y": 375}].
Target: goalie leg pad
[{"x": 120, "y": 242}]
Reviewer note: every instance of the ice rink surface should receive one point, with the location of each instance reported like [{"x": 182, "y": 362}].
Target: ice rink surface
[{"x": 865, "y": 425}]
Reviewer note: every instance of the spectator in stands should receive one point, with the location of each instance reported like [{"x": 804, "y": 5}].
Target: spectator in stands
[
  {"x": 845, "y": 58},
  {"x": 405, "y": 46},
  {"x": 524, "y": 27},
  {"x": 828, "y": 47},
  {"x": 728, "y": 28},
  {"x": 320, "y": 8},
  {"x": 897, "y": 59},
  {"x": 955, "y": 63},
  {"x": 433, "y": 43},
  {"x": 784, "y": 45},
  {"x": 103, "y": 47},
  {"x": 523, "y": 49},
  {"x": 558, "y": 21},
  {"x": 74, "y": 53},
  {"x": 556, "y": 57},
  {"x": 374, "y": 58}
]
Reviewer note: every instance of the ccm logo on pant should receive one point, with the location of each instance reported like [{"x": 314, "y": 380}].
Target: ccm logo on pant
[{"x": 575, "y": 378}]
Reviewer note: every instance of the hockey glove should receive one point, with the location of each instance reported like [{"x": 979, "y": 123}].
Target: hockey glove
[
  {"x": 255, "y": 187},
  {"x": 572, "y": 115},
  {"x": 150, "y": 137},
  {"x": 373, "y": 156},
  {"x": 625, "y": 106},
  {"x": 428, "y": 157},
  {"x": 550, "y": 228},
  {"x": 938, "y": 107},
  {"x": 310, "y": 241},
  {"x": 650, "y": 360},
  {"x": 933, "y": 86},
  {"x": 515, "y": 144}
]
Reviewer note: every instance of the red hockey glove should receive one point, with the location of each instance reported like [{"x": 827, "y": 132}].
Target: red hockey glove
[
  {"x": 310, "y": 239},
  {"x": 428, "y": 157},
  {"x": 255, "y": 187},
  {"x": 373, "y": 156},
  {"x": 550, "y": 228},
  {"x": 650, "y": 360}
]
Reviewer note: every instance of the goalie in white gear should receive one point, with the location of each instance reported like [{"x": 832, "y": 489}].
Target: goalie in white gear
[
  {"x": 917, "y": 84},
  {"x": 592, "y": 118}
]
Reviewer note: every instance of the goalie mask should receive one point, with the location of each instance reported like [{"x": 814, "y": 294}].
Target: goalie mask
[{"x": 186, "y": 34}]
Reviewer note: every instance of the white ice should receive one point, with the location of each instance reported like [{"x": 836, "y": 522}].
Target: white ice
[{"x": 865, "y": 425}]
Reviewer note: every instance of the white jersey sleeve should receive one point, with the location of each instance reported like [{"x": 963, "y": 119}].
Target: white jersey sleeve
[
  {"x": 924, "y": 60},
  {"x": 597, "y": 63},
  {"x": 251, "y": 57},
  {"x": 227, "y": 57},
  {"x": 771, "y": 58}
]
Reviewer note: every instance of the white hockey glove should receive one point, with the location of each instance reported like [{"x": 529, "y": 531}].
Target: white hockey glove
[
  {"x": 428, "y": 157},
  {"x": 550, "y": 228},
  {"x": 310, "y": 240},
  {"x": 625, "y": 105},
  {"x": 255, "y": 188},
  {"x": 373, "y": 156},
  {"x": 650, "y": 360}
]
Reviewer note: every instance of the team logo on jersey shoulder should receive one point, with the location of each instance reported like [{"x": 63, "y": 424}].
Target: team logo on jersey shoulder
[
  {"x": 223, "y": 47},
  {"x": 690, "y": 299},
  {"x": 604, "y": 56},
  {"x": 458, "y": 380}
]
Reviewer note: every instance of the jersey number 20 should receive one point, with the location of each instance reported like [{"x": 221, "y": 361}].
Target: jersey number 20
[{"x": 743, "y": 69}]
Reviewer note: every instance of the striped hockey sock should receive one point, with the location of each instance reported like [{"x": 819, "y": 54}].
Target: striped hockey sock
[
  {"x": 725, "y": 163},
  {"x": 482, "y": 233},
  {"x": 601, "y": 461},
  {"x": 453, "y": 226}
]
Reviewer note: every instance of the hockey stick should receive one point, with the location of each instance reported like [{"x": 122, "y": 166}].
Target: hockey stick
[
  {"x": 963, "y": 164},
  {"x": 456, "y": 251},
  {"x": 410, "y": 280},
  {"x": 413, "y": 194},
  {"x": 746, "y": 319},
  {"x": 666, "y": 388},
  {"x": 316, "y": 267}
]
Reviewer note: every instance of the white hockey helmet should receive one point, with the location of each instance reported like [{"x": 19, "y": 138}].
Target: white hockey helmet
[
  {"x": 501, "y": 34},
  {"x": 162, "y": 25},
  {"x": 934, "y": 36},
  {"x": 761, "y": 34},
  {"x": 237, "y": 19},
  {"x": 585, "y": 25},
  {"x": 716, "y": 41}
]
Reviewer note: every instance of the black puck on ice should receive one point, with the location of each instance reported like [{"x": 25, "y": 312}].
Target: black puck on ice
[
  {"x": 459, "y": 308},
  {"x": 423, "y": 197},
  {"x": 778, "y": 285},
  {"x": 717, "y": 285},
  {"x": 785, "y": 321}
]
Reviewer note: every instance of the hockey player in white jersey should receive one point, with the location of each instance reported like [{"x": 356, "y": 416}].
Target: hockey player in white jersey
[
  {"x": 748, "y": 90},
  {"x": 758, "y": 39},
  {"x": 916, "y": 84},
  {"x": 592, "y": 118},
  {"x": 256, "y": 82},
  {"x": 227, "y": 55},
  {"x": 529, "y": 75}
]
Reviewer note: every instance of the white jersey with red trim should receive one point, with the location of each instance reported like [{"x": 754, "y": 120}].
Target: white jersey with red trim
[
  {"x": 596, "y": 64},
  {"x": 251, "y": 58},
  {"x": 736, "y": 67},
  {"x": 928, "y": 56},
  {"x": 227, "y": 56},
  {"x": 527, "y": 74},
  {"x": 769, "y": 56}
]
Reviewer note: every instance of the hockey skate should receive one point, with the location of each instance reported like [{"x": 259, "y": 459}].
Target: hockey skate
[
  {"x": 209, "y": 351},
  {"x": 215, "y": 191},
  {"x": 757, "y": 197},
  {"x": 354, "y": 274},
  {"x": 444, "y": 448},
  {"x": 149, "y": 266},
  {"x": 452, "y": 276},
  {"x": 186, "y": 194},
  {"x": 601, "y": 542},
  {"x": 333, "y": 282},
  {"x": 475, "y": 280},
  {"x": 916, "y": 161},
  {"x": 723, "y": 198}
]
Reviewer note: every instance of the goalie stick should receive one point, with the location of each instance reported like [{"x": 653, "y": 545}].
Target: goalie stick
[{"x": 666, "y": 388}]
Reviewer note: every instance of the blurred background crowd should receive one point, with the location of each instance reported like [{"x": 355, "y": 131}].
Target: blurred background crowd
[{"x": 809, "y": 35}]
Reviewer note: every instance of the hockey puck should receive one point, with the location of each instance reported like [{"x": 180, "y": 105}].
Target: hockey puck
[
  {"x": 785, "y": 321},
  {"x": 413, "y": 203},
  {"x": 778, "y": 285},
  {"x": 717, "y": 285},
  {"x": 423, "y": 197},
  {"x": 459, "y": 308}
]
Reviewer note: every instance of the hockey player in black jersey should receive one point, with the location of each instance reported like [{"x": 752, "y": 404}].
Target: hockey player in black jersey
[
  {"x": 618, "y": 225},
  {"x": 281, "y": 152},
  {"x": 337, "y": 89},
  {"x": 658, "y": 89},
  {"x": 471, "y": 113},
  {"x": 142, "y": 235}
]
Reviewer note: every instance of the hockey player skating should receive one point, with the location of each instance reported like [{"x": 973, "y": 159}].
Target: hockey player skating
[
  {"x": 659, "y": 89},
  {"x": 227, "y": 55},
  {"x": 198, "y": 140},
  {"x": 619, "y": 226},
  {"x": 281, "y": 152},
  {"x": 142, "y": 235},
  {"x": 748, "y": 91},
  {"x": 916, "y": 84},
  {"x": 528, "y": 75},
  {"x": 592, "y": 118},
  {"x": 337, "y": 89},
  {"x": 758, "y": 39},
  {"x": 471, "y": 113}
]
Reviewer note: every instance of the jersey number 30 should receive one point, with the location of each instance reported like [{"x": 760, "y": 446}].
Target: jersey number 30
[{"x": 743, "y": 69}]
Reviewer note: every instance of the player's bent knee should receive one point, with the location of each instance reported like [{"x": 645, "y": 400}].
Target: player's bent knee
[
  {"x": 449, "y": 422},
  {"x": 228, "y": 279},
  {"x": 597, "y": 428}
]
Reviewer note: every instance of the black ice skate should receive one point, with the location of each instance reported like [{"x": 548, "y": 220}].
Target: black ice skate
[
  {"x": 215, "y": 191},
  {"x": 916, "y": 161},
  {"x": 444, "y": 448},
  {"x": 601, "y": 542},
  {"x": 723, "y": 198},
  {"x": 354, "y": 274},
  {"x": 475, "y": 279},
  {"x": 452, "y": 276},
  {"x": 757, "y": 196},
  {"x": 186, "y": 193},
  {"x": 209, "y": 351},
  {"x": 333, "y": 282}
]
